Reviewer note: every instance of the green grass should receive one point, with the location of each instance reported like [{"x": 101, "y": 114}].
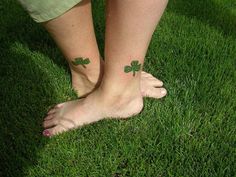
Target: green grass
[{"x": 189, "y": 133}]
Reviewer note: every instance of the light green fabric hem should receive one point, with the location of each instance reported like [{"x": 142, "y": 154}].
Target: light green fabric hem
[{"x": 45, "y": 10}]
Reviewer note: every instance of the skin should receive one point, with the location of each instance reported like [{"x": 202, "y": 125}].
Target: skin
[
  {"x": 74, "y": 34},
  {"x": 119, "y": 94}
]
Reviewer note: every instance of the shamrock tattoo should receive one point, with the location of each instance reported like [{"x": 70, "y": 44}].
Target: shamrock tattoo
[
  {"x": 81, "y": 61},
  {"x": 135, "y": 67}
]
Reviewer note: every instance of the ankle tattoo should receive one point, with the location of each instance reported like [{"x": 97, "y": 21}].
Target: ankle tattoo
[
  {"x": 135, "y": 67},
  {"x": 81, "y": 61}
]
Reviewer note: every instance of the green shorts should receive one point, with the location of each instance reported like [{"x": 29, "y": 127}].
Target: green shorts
[{"x": 44, "y": 10}]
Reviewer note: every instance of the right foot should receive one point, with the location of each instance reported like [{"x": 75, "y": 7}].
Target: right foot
[
  {"x": 94, "y": 107},
  {"x": 84, "y": 85},
  {"x": 151, "y": 86}
]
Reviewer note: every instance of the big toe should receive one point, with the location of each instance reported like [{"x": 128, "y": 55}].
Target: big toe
[
  {"x": 58, "y": 125},
  {"x": 156, "y": 93},
  {"x": 54, "y": 130}
]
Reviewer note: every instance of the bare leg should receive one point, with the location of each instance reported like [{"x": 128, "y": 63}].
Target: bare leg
[
  {"x": 129, "y": 28},
  {"x": 74, "y": 34}
]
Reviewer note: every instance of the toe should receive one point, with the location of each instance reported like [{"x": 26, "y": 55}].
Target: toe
[
  {"x": 59, "y": 105},
  {"x": 156, "y": 93},
  {"x": 47, "y": 133},
  {"x": 54, "y": 131},
  {"x": 146, "y": 74},
  {"x": 55, "y": 108},
  {"x": 163, "y": 91},
  {"x": 156, "y": 83},
  {"x": 49, "y": 123},
  {"x": 52, "y": 111},
  {"x": 148, "y": 78},
  {"x": 48, "y": 117}
]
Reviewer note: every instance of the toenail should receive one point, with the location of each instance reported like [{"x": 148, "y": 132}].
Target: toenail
[
  {"x": 163, "y": 91},
  {"x": 46, "y": 133}
]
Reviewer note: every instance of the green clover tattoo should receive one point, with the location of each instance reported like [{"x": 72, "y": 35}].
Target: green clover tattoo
[
  {"x": 81, "y": 61},
  {"x": 135, "y": 67}
]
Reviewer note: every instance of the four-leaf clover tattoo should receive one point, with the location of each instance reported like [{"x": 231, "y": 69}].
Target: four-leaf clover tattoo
[
  {"x": 81, "y": 61},
  {"x": 135, "y": 67}
]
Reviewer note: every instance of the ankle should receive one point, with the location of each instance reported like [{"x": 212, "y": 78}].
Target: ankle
[
  {"x": 86, "y": 76},
  {"x": 120, "y": 86},
  {"x": 114, "y": 95},
  {"x": 122, "y": 105}
]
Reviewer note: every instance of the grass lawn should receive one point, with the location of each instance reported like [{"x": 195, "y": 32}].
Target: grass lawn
[{"x": 189, "y": 133}]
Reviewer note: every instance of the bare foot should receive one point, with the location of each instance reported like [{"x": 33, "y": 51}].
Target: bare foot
[
  {"x": 84, "y": 85},
  {"x": 94, "y": 107},
  {"x": 151, "y": 86}
]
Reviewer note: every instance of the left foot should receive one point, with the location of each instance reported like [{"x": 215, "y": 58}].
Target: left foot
[
  {"x": 96, "y": 106},
  {"x": 86, "y": 82}
]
